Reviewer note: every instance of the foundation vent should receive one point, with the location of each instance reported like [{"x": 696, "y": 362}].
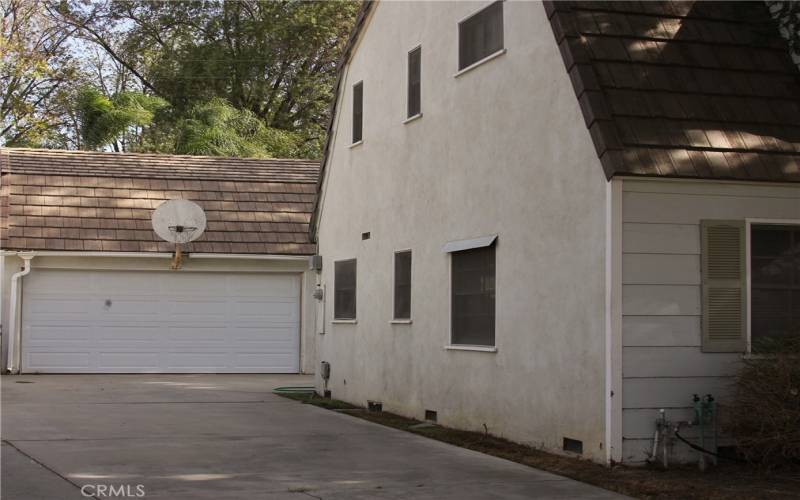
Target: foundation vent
[
  {"x": 430, "y": 415},
  {"x": 365, "y": 236},
  {"x": 573, "y": 446},
  {"x": 375, "y": 406}
]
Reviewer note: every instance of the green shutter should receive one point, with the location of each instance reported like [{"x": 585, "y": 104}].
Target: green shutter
[{"x": 724, "y": 286}]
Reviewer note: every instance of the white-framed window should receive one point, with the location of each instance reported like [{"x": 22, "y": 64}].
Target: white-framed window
[
  {"x": 414, "y": 103},
  {"x": 472, "y": 300},
  {"x": 344, "y": 289},
  {"x": 358, "y": 112},
  {"x": 773, "y": 283},
  {"x": 480, "y": 35},
  {"x": 402, "y": 285}
]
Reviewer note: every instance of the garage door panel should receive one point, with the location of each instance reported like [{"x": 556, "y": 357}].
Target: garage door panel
[
  {"x": 160, "y": 322},
  {"x": 44, "y": 334},
  {"x": 131, "y": 360},
  {"x": 120, "y": 335},
  {"x": 55, "y": 307},
  {"x": 59, "y": 360},
  {"x": 279, "y": 285}
]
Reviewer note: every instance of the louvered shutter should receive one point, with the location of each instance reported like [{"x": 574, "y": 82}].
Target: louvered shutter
[{"x": 724, "y": 286}]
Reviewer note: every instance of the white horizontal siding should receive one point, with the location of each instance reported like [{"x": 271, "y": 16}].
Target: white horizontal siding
[
  {"x": 664, "y": 361},
  {"x": 672, "y": 239},
  {"x": 663, "y": 365},
  {"x": 661, "y": 269},
  {"x": 669, "y": 392},
  {"x": 668, "y": 331},
  {"x": 660, "y": 300}
]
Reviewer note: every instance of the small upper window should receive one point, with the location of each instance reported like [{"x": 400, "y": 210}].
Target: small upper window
[
  {"x": 344, "y": 286},
  {"x": 402, "y": 285},
  {"x": 414, "y": 82},
  {"x": 473, "y": 296},
  {"x": 775, "y": 286},
  {"x": 358, "y": 111},
  {"x": 481, "y": 35}
]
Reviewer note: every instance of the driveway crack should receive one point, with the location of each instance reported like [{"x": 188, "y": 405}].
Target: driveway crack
[{"x": 48, "y": 468}]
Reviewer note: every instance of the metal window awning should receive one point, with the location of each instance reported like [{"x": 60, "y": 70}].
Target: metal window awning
[{"x": 459, "y": 245}]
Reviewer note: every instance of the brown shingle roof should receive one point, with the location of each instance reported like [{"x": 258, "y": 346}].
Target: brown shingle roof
[
  {"x": 89, "y": 201},
  {"x": 683, "y": 89}
]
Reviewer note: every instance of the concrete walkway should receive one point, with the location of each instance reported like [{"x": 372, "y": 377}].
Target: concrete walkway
[{"x": 227, "y": 437}]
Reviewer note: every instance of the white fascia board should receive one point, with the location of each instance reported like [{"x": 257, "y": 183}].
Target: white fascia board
[
  {"x": 459, "y": 245},
  {"x": 162, "y": 255}
]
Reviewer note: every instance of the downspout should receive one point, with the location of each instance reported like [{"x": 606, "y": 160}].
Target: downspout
[{"x": 13, "y": 328}]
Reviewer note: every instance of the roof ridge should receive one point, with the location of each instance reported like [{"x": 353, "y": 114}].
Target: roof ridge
[{"x": 11, "y": 150}]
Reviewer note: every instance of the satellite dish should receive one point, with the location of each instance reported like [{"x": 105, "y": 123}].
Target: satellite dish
[{"x": 179, "y": 221}]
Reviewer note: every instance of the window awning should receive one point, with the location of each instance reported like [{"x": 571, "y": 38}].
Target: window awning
[{"x": 459, "y": 245}]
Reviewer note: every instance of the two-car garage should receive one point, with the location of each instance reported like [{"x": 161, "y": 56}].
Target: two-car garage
[
  {"x": 87, "y": 285},
  {"x": 78, "y": 321}
]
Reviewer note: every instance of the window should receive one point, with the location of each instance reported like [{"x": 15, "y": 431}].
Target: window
[
  {"x": 402, "y": 285},
  {"x": 344, "y": 285},
  {"x": 358, "y": 111},
  {"x": 473, "y": 296},
  {"x": 775, "y": 286},
  {"x": 481, "y": 35},
  {"x": 414, "y": 78}
]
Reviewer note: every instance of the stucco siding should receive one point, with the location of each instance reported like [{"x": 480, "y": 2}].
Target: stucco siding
[
  {"x": 663, "y": 365},
  {"x": 501, "y": 149}
]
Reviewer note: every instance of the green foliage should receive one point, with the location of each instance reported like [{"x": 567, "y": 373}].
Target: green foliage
[
  {"x": 216, "y": 128},
  {"x": 107, "y": 120},
  {"x": 36, "y": 69},
  {"x": 273, "y": 61}
]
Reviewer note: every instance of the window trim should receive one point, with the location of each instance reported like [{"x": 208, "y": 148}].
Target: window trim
[
  {"x": 748, "y": 225},
  {"x": 480, "y": 62},
  {"x": 353, "y": 140},
  {"x": 395, "y": 320},
  {"x": 450, "y": 345},
  {"x": 488, "y": 57},
  {"x": 418, "y": 114},
  {"x": 354, "y": 319}
]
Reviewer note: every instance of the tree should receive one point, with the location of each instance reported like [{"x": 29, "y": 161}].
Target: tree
[
  {"x": 119, "y": 121},
  {"x": 216, "y": 128},
  {"x": 36, "y": 69},
  {"x": 277, "y": 60}
]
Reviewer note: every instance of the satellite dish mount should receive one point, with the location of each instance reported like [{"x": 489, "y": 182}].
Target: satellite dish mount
[{"x": 179, "y": 222}]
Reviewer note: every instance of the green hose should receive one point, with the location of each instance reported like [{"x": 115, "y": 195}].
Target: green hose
[{"x": 297, "y": 389}]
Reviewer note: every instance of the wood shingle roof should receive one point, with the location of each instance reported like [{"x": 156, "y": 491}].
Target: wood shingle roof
[
  {"x": 683, "y": 89},
  {"x": 91, "y": 201}
]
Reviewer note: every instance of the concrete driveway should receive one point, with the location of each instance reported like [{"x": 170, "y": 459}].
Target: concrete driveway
[{"x": 227, "y": 437}]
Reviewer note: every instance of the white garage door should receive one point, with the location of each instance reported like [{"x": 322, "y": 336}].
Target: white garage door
[{"x": 160, "y": 322}]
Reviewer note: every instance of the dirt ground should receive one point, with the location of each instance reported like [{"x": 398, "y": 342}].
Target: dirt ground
[{"x": 727, "y": 481}]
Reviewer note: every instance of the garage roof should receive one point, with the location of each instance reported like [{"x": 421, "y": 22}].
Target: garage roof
[{"x": 97, "y": 201}]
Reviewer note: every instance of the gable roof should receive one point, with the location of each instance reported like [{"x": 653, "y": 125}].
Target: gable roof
[
  {"x": 96, "y": 201},
  {"x": 683, "y": 89}
]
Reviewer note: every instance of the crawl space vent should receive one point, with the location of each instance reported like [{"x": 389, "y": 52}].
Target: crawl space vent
[{"x": 573, "y": 445}]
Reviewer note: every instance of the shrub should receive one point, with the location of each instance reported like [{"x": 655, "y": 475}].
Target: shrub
[{"x": 764, "y": 414}]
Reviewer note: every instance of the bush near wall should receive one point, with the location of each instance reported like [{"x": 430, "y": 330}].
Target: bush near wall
[{"x": 764, "y": 414}]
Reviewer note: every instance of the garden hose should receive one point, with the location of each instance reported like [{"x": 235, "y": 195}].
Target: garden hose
[{"x": 297, "y": 389}]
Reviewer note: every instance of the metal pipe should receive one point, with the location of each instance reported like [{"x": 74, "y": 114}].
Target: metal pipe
[{"x": 13, "y": 329}]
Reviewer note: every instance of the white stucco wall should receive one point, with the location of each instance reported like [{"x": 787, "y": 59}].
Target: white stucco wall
[
  {"x": 503, "y": 150},
  {"x": 41, "y": 263},
  {"x": 662, "y": 362}
]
